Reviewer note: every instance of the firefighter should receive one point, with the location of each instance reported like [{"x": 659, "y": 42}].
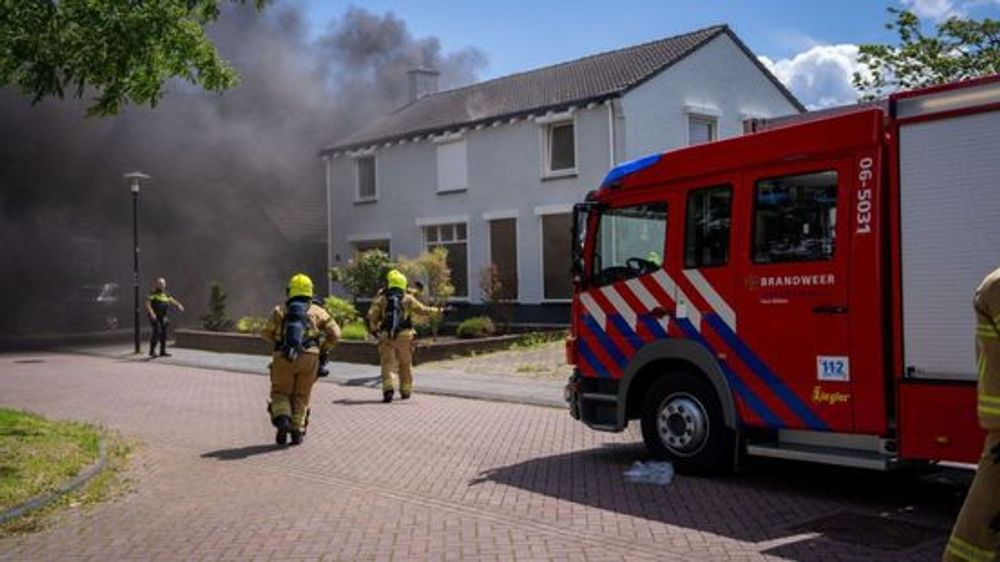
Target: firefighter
[
  {"x": 390, "y": 319},
  {"x": 301, "y": 331},
  {"x": 157, "y": 305},
  {"x": 976, "y": 536}
]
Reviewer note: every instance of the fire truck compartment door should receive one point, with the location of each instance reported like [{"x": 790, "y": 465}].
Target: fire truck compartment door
[{"x": 950, "y": 237}]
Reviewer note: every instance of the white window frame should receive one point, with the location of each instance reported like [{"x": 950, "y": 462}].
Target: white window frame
[
  {"x": 424, "y": 224},
  {"x": 703, "y": 113},
  {"x": 357, "y": 177},
  {"x": 548, "y": 124},
  {"x": 441, "y": 142}
]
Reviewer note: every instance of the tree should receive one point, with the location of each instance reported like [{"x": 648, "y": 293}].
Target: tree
[
  {"x": 216, "y": 320},
  {"x": 960, "y": 49},
  {"x": 364, "y": 275},
  {"x": 123, "y": 50},
  {"x": 494, "y": 293}
]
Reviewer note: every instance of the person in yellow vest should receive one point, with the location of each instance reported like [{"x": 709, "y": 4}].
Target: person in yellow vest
[
  {"x": 976, "y": 536},
  {"x": 157, "y": 305},
  {"x": 300, "y": 330},
  {"x": 390, "y": 318}
]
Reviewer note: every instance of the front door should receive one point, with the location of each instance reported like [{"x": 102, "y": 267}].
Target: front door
[{"x": 792, "y": 344}]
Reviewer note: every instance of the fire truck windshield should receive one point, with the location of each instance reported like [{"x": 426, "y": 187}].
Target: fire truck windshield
[{"x": 629, "y": 242}]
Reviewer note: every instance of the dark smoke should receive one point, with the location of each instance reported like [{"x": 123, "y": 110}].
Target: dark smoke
[{"x": 237, "y": 193}]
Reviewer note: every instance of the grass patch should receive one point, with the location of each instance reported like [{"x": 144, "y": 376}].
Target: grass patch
[
  {"x": 537, "y": 340},
  {"x": 36, "y": 455},
  {"x": 355, "y": 331}
]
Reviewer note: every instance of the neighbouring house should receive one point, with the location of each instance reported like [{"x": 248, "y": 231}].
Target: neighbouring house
[{"x": 491, "y": 171}]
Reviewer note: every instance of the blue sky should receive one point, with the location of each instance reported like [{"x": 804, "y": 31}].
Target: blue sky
[{"x": 811, "y": 45}]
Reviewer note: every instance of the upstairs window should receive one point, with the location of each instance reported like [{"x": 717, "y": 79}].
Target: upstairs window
[
  {"x": 560, "y": 149},
  {"x": 452, "y": 167},
  {"x": 702, "y": 129},
  {"x": 365, "y": 172},
  {"x": 795, "y": 218},
  {"x": 706, "y": 240}
]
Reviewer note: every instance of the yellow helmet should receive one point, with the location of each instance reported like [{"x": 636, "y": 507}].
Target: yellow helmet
[
  {"x": 396, "y": 279},
  {"x": 300, "y": 285}
]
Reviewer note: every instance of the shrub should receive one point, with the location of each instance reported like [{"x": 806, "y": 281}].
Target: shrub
[
  {"x": 343, "y": 312},
  {"x": 215, "y": 320},
  {"x": 251, "y": 324},
  {"x": 363, "y": 276},
  {"x": 476, "y": 327},
  {"x": 355, "y": 331}
]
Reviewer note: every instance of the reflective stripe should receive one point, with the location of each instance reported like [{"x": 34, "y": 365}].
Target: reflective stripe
[
  {"x": 966, "y": 551},
  {"x": 982, "y": 365},
  {"x": 592, "y": 307},
  {"x": 712, "y": 296},
  {"x": 616, "y": 300}
]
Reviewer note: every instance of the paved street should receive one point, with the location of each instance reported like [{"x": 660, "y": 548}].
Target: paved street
[{"x": 438, "y": 478}]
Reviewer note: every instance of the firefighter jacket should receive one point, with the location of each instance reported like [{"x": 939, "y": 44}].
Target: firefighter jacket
[
  {"x": 987, "y": 304},
  {"x": 410, "y": 306},
  {"x": 322, "y": 328}
]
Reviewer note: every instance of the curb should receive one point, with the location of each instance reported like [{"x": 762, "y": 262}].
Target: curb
[{"x": 71, "y": 485}]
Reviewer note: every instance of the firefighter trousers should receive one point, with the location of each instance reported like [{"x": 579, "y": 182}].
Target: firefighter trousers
[
  {"x": 397, "y": 352},
  {"x": 291, "y": 385},
  {"x": 972, "y": 540}
]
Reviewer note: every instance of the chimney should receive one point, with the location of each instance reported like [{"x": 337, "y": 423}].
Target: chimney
[{"x": 423, "y": 82}]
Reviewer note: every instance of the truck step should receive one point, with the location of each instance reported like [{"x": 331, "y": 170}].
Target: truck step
[{"x": 826, "y": 455}]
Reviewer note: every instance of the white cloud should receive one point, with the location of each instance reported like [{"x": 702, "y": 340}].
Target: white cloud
[
  {"x": 820, "y": 76},
  {"x": 940, "y": 10},
  {"x": 937, "y": 10}
]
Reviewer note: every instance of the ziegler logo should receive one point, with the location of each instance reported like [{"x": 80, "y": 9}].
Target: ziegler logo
[
  {"x": 865, "y": 202},
  {"x": 820, "y": 396}
]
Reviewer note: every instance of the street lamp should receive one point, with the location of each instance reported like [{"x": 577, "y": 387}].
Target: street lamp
[{"x": 134, "y": 178}]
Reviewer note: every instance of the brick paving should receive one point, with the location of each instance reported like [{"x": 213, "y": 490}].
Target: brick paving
[{"x": 435, "y": 478}]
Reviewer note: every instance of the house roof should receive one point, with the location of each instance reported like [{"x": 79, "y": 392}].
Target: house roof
[{"x": 589, "y": 79}]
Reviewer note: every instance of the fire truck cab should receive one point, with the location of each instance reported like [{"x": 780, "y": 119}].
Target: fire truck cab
[{"x": 801, "y": 292}]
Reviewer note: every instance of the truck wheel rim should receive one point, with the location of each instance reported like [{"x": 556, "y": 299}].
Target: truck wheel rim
[{"x": 682, "y": 424}]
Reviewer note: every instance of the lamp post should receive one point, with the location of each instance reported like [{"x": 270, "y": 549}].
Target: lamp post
[{"x": 134, "y": 178}]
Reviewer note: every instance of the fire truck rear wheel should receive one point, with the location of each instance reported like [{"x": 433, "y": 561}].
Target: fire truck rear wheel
[{"x": 682, "y": 422}]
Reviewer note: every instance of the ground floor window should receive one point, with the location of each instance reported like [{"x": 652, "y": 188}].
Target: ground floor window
[
  {"x": 455, "y": 239},
  {"x": 556, "y": 234},
  {"x": 503, "y": 254},
  {"x": 362, "y": 246}
]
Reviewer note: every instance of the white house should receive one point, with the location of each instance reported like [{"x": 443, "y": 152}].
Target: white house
[{"x": 490, "y": 171}]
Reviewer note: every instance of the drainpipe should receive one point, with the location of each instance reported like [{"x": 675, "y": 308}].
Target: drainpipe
[
  {"x": 611, "y": 133},
  {"x": 328, "y": 166}
]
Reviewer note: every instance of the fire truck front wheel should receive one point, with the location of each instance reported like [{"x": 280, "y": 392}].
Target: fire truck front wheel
[{"x": 682, "y": 422}]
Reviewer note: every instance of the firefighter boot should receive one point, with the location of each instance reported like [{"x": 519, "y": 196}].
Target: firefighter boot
[
  {"x": 387, "y": 396},
  {"x": 283, "y": 425},
  {"x": 297, "y": 437}
]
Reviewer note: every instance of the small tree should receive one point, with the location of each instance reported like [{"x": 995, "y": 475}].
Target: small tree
[
  {"x": 363, "y": 276},
  {"x": 960, "y": 49},
  {"x": 216, "y": 320},
  {"x": 492, "y": 290}
]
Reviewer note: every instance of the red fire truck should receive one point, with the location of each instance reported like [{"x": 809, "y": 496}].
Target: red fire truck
[{"x": 802, "y": 292}]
